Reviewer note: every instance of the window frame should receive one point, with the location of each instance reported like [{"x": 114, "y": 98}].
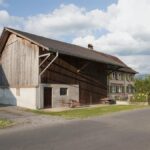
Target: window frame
[{"x": 63, "y": 91}]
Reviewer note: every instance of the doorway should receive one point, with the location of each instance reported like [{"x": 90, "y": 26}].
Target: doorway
[{"x": 47, "y": 97}]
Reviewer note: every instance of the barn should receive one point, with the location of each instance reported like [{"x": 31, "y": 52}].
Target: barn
[{"x": 38, "y": 72}]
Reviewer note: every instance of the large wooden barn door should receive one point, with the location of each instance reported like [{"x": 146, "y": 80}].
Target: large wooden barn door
[{"x": 47, "y": 97}]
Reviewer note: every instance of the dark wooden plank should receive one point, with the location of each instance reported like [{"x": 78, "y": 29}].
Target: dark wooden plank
[{"x": 92, "y": 87}]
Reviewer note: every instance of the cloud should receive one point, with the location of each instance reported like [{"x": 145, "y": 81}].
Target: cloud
[
  {"x": 123, "y": 29},
  {"x": 66, "y": 20},
  {"x": 128, "y": 29},
  {"x": 12, "y": 21},
  {"x": 128, "y": 33},
  {"x": 121, "y": 43},
  {"x": 138, "y": 62}
]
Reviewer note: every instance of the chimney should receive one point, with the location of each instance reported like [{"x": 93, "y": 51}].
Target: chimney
[{"x": 90, "y": 46}]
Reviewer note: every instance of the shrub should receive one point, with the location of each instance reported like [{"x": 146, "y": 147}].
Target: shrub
[{"x": 139, "y": 97}]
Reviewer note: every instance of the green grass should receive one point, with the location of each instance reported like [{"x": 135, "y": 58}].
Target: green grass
[
  {"x": 90, "y": 112},
  {"x": 5, "y": 123}
]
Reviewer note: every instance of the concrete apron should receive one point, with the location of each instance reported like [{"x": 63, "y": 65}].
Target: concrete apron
[{"x": 59, "y": 109}]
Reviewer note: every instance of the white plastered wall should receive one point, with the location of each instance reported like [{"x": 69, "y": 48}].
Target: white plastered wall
[
  {"x": 23, "y": 97},
  {"x": 72, "y": 94}
]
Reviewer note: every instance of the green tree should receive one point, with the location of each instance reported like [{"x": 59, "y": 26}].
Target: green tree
[{"x": 142, "y": 86}]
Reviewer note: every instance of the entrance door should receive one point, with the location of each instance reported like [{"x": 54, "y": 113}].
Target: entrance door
[{"x": 47, "y": 97}]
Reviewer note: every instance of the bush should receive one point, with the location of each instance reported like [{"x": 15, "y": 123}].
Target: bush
[{"x": 139, "y": 97}]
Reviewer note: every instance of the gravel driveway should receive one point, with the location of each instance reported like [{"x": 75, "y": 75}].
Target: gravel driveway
[{"x": 24, "y": 119}]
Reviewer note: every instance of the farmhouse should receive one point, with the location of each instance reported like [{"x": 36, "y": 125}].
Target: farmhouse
[
  {"x": 37, "y": 72},
  {"x": 121, "y": 84}
]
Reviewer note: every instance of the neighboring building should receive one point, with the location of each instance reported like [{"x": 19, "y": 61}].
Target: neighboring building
[
  {"x": 121, "y": 84},
  {"x": 37, "y": 72}
]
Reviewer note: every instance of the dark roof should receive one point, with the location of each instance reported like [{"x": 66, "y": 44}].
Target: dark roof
[
  {"x": 128, "y": 69},
  {"x": 67, "y": 49},
  {"x": 123, "y": 69}
]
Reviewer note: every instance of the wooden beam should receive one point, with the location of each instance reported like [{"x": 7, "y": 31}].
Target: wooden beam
[
  {"x": 47, "y": 56},
  {"x": 84, "y": 66},
  {"x": 49, "y": 64}
]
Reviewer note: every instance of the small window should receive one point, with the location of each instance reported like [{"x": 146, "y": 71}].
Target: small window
[
  {"x": 116, "y": 76},
  {"x": 122, "y": 76},
  {"x": 119, "y": 76},
  {"x": 113, "y": 75},
  {"x": 113, "y": 88},
  {"x": 63, "y": 91}
]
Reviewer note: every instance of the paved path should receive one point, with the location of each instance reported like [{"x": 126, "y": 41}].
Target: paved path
[{"x": 119, "y": 131}]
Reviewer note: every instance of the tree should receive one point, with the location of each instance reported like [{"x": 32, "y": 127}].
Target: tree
[{"x": 143, "y": 86}]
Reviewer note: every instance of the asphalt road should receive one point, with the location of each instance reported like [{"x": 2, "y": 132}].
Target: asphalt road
[{"x": 120, "y": 131}]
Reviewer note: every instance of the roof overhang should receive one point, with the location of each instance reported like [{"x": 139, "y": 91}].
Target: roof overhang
[
  {"x": 5, "y": 35},
  {"x": 7, "y": 31}
]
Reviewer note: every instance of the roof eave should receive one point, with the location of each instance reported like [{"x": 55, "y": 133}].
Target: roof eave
[
  {"x": 32, "y": 41},
  {"x": 50, "y": 49},
  {"x": 69, "y": 54}
]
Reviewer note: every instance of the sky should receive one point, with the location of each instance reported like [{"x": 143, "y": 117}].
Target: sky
[{"x": 116, "y": 27}]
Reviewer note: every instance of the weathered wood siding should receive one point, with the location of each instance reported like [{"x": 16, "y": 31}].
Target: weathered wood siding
[
  {"x": 20, "y": 68},
  {"x": 92, "y": 82},
  {"x": 19, "y": 63}
]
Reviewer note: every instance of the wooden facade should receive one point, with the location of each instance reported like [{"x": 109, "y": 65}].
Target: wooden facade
[
  {"x": 92, "y": 79},
  {"x": 19, "y": 63},
  {"x": 20, "y": 68}
]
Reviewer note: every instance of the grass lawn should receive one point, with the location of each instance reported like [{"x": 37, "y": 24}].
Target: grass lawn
[
  {"x": 5, "y": 123},
  {"x": 90, "y": 112}
]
